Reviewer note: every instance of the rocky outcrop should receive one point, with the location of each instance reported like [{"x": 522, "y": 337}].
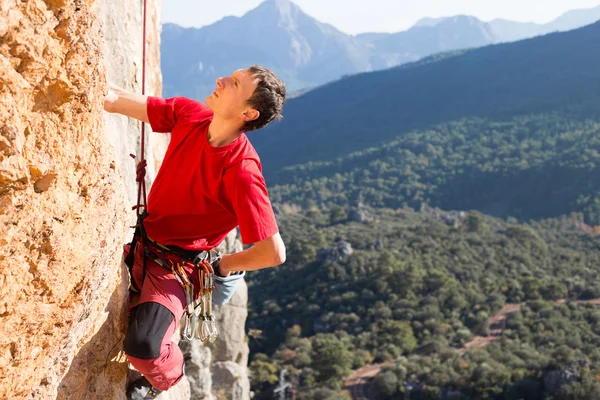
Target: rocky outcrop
[
  {"x": 198, "y": 370},
  {"x": 555, "y": 379},
  {"x": 359, "y": 214},
  {"x": 230, "y": 351},
  {"x": 218, "y": 371},
  {"x": 231, "y": 345},
  {"x": 230, "y": 379},
  {"x": 66, "y": 188},
  {"x": 335, "y": 253}
]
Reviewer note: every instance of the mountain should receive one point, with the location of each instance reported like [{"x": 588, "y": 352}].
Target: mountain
[
  {"x": 458, "y": 32},
  {"x": 277, "y": 34},
  {"x": 427, "y": 22},
  {"x": 571, "y": 19},
  {"x": 301, "y": 50},
  {"x": 306, "y": 53},
  {"x": 510, "y": 30},
  {"x": 510, "y": 129},
  {"x": 426, "y": 285}
]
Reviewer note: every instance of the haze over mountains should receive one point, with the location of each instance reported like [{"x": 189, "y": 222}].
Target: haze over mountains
[{"x": 307, "y": 53}]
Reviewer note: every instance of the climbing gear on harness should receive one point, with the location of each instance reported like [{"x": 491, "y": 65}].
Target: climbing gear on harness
[
  {"x": 174, "y": 260},
  {"x": 206, "y": 331}
]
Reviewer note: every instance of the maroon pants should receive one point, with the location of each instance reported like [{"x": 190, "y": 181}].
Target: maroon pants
[{"x": 153, "y": 322}]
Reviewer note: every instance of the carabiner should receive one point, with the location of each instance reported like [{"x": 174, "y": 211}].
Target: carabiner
[
  {"x": 214, "y": 333},
  {"x": 204, "y": 334},
  {"x": 188, "y": 329},
  {"x": 177, "y": 276},
  {"x": 189, "y": 298},
  {"x": 183, "y": 274}
]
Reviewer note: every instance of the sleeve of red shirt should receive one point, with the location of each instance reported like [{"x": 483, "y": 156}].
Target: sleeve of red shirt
[
  {"x": 246, "y": 191},
  {"x": 165, "y": 113}
]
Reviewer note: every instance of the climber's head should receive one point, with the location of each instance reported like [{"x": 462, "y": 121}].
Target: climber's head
[{"x": 254, "y": 95}]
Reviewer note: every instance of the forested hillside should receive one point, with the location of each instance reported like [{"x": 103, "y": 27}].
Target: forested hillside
[
  {"x": 528, "y": 167},
  {"x": 415, "y": 287}
]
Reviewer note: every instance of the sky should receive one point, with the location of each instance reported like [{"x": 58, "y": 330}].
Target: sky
[{"x": 359, "y": 16}]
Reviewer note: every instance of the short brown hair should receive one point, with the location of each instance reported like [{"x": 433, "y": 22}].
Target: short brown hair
[{"x": 267, "y": 99}]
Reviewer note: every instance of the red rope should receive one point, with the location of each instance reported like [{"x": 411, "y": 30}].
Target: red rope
[{"x": 141, "y": 169}]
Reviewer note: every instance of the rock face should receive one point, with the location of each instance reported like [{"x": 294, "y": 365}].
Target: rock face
[
  {"x": 122, "y": 22},
  {"x": 62, "y": 209},
  {"x": 198, "y": 370},
  {"x": 230, "y": 350},
  {"x": 66, "y": 185}
]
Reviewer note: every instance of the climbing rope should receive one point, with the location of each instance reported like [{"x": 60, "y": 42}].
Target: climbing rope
[
  {"x": 141, "y": 168},
  {"x": 140, "y": 177}
]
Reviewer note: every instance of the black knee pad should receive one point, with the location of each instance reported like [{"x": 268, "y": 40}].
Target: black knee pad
[{"x": 148, "y": 324}]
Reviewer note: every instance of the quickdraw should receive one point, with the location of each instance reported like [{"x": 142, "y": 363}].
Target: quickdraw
[
  {"x": 200, "y": 322},
  {"x": 207, "y": 328}
]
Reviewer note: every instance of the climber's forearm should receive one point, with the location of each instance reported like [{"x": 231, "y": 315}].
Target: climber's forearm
[
  {"x": 130, "y": 104},
  {"x": 267, "y": 253}
]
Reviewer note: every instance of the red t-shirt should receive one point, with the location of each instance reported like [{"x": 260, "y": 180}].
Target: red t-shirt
[{"x": 202, "y": 192}]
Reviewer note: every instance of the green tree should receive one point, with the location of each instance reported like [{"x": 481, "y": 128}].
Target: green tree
[
  {"x": 385, "y": 385},
  {"x": 264, "y": 373},
  {"x": 588, "y": 388},
  {"x": 331, "y": 357},
  {"x": 337, "y": 215},
  {"x": 475, "y": 222},
  {"x": 396, "y": 333}
]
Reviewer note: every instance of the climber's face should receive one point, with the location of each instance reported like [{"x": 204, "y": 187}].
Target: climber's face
[{"x": 230, "y": 98}]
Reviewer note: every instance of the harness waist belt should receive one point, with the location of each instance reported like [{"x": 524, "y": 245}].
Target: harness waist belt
[{"x": 193, "y": 256}]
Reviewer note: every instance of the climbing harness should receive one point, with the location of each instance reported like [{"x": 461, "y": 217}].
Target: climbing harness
[{"x": 199, "y": 319}]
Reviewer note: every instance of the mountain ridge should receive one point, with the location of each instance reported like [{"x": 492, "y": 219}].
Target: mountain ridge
[
  {"x": 307, "y": 53},
  {"x": 303, "y": 51},
  {"x": 461, "y": 89}
]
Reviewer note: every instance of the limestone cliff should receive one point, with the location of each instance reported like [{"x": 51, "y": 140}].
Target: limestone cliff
[
  {"x": 62, "y": 207},
  {"x": 66, "y": 187}
]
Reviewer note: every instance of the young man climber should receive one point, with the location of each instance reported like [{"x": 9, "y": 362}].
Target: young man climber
[{"x": 210, "y": 182}]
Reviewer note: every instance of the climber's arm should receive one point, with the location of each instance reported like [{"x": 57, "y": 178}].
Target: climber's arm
[
  {"x": 130, "y": 104},
  {"x": 245, "y": 191},
  {"x": 266, "y": 253}
]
